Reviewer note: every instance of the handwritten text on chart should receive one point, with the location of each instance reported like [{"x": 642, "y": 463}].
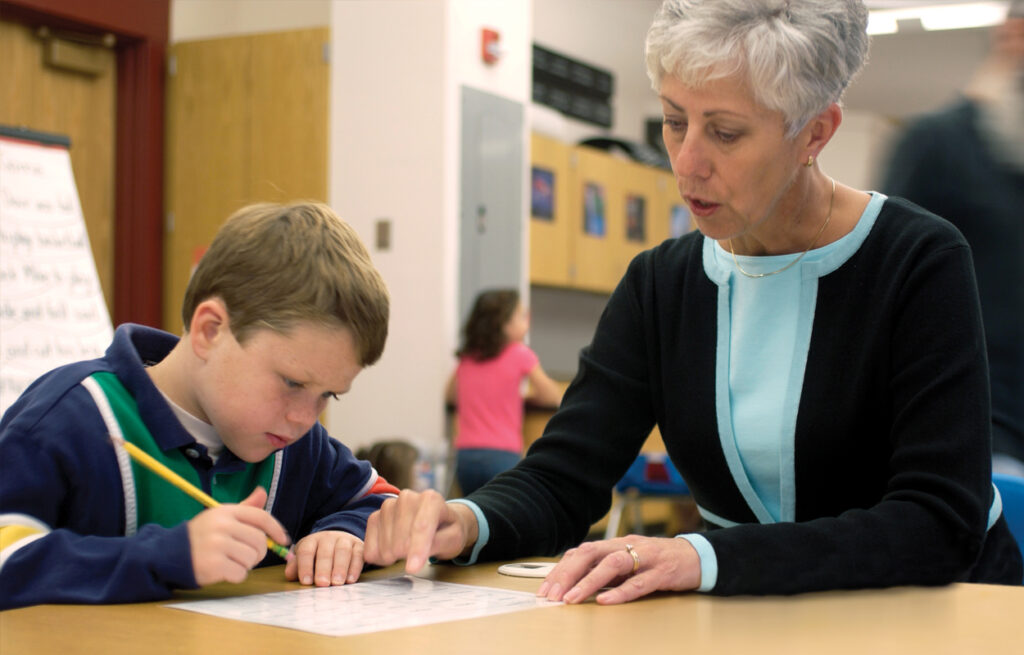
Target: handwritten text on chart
[{"x": 52, "y": 310}]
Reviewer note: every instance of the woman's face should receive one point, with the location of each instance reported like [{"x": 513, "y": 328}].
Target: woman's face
[{"x": 732, "y": 162}]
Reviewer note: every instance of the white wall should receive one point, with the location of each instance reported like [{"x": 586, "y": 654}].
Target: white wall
[
  {"x": 508, "y": 78},
  {"x": 397, "y": 69},
  {"x": 388, "y": 131},
  {"x": 858, "y": 151},
  {"x": 608, "y": 34},
  {"x": 203, "y": 19}
]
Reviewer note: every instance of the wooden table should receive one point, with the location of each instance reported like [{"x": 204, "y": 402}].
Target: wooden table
[{"x": 961, "y": 619}]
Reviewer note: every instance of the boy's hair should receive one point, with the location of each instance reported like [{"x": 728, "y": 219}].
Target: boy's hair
[
  {"x": 275, "y": 266},
  {"x": 483, "y": 334}
]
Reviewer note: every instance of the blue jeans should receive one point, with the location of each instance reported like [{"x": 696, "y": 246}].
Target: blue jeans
[{"x": 474, "y": 467}]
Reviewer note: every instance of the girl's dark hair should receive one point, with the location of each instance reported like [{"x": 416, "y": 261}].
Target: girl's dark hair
[{"x": 482, "y": 336}]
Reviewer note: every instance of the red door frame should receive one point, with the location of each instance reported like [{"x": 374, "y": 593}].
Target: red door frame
[{"x": 141, "y": 29}]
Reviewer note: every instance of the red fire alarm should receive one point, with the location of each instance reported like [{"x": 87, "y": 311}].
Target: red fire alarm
[{"x": 490, "y": 46}]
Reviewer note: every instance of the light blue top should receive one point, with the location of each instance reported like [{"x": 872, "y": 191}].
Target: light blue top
[{"x": 764, "y": 333}]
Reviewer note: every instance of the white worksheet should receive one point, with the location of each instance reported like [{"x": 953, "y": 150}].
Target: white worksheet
[{"x": 371, "y": 606}]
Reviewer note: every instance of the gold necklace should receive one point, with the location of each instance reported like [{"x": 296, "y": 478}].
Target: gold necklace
[{"x": 817, "y": 236}]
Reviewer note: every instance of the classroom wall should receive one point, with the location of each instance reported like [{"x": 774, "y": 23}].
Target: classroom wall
[
  {"x": 205, "y": 19},
  {"x": 608, "y": 34},
  {"x": 398, "y": 68}
]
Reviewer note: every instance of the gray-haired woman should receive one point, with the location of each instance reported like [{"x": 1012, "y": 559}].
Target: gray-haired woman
[{"x": 813, "y": 356}]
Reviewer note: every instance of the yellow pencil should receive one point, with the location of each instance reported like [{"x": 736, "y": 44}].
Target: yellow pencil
[{"x": 147, "y": 460}]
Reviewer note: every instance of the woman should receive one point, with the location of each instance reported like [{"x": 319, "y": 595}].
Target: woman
[
  {"x": 813, "y": 357},
  {"x": 486, "y": 388}
]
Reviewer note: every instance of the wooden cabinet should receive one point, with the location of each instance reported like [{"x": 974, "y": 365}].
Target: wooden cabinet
[
  {"x": 592, "y": 212},
  {"x": 246, "y": 122},
  {"x": 596, "y": 219},
  {"x": 549, "y": 209},
  {"x": 649, "y": 195}
]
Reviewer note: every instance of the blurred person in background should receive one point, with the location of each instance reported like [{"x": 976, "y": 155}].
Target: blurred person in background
[{"x": 965, "y": 163}]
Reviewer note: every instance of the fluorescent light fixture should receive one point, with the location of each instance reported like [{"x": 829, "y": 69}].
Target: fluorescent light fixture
[{"x": 939, "y": 17}]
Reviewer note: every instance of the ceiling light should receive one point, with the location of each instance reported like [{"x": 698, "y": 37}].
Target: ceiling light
[{"x": 938, "y": 17}]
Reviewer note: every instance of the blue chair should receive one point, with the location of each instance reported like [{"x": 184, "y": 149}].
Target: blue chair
[
  {"x": 1011, "y": 489},
  {"x": 651, "y": 475}
]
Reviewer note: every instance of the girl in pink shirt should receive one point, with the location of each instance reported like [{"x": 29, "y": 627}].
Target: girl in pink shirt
[{"x": 487, "y": 388}]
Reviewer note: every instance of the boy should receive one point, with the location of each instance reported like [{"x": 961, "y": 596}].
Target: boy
[{"x": 282, "y": 313}]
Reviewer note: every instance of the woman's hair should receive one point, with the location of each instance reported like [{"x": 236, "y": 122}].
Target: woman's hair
[
  {"x": 798, "y": 56},
  {"x": 275, "y": 266},
  {"x": 483, "y": 336}
]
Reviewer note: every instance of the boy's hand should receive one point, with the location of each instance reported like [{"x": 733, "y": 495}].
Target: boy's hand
[
  {"x": 229, "y": 540},
  {"x": 416, "y": 526},
  {"x": 326, "y": 558}
]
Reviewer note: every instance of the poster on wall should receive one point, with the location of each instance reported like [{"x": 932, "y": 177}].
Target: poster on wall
[
  {"x": 636, "y": 218},
  {"x": 593, "y": 209},
  {"x": 679, "y": 221},
  {"x": 542, "y": 194},
  {"x": 52, "y": 310}
]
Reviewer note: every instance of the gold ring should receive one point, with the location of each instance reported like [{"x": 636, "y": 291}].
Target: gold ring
[{"x": 636, "y": 558}]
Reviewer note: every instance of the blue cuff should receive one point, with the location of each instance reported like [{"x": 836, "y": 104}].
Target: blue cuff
[
  {"x": 708, "y": 560},
  {"x": 995, "y": 509},
  {"x": 483, "y": 532}
]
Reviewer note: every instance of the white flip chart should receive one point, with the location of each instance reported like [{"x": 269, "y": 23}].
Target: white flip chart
[{"x": 52, "y": 310}]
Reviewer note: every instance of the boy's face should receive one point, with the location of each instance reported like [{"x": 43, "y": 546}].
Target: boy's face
[{"x": 268, "y": 392}]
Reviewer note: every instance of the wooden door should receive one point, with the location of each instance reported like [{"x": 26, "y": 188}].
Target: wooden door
[
  {"x": 246, "y": 122},
  {"x": 41, "y": 97}
]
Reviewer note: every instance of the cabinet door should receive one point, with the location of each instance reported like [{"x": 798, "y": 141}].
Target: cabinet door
[
  {"x": 646, "y": 211},
  {"x": 550, "y": 254},
  {"x": 598, "y": 208},
  {"x": 246, "y": 122},
  {"x": 592, "y": 212},
  {"x": 491, "y": 196}
]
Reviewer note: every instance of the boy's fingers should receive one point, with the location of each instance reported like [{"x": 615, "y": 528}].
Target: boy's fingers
[
  {"x": 323, "y": 563},
  {"x": 355, "y": 564},
  {"x": 258, "y": 498},
  {"x": 291, "y": 569},
  {"x": 264, "y": 521}
]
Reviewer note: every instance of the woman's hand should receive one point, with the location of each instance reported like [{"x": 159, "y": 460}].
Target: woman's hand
[
  {"x": 417, "y": 526},
  {"x": 329, "y": 557},
  {"x": 649, "y": 564}
]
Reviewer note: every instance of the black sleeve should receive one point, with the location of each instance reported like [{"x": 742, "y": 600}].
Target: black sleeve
[{"x": 549, "y": 501}]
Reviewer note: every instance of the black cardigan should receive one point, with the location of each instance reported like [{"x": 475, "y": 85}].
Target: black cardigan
[{"x": 892, "y": 445}]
